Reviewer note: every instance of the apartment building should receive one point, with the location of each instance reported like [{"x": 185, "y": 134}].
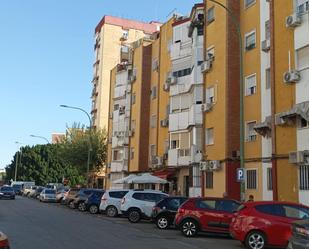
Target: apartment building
[
  {"x": 129, "y": 112},
  {"x": 275, "y": 66},
  {"x": 110, "y": 34},
  {"x": 185, "y": 90}
]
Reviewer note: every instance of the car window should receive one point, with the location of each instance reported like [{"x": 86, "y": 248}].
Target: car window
[
  {"x": 117, "y": 194},
  {"x": 206, "y": 204},
  {"x": 173, "y": 204},
  {"x": 271, "y": 209},
  {"x": 139, "y": 196},
  {"x": 296, "y": 212},
  {"x": 159, "y": 197},
  {"x": 50, "y": 191},
  {"x": 151, "y": 197},
  {"x": 227, "y": 205}
]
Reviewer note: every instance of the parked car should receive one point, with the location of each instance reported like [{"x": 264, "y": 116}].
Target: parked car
[
  {"x": 111, "y": 201},
  {"x": 164, "y": 212},
  {"x": 4, "y": 242},
  {"x": 29, "y": 190},
  {"x": 261, "y": 224},
  {"x": 17, "y": 188},
  {"x": 205, "y": 215},
  {"x": 300, "y": 235},
  {"x": 80, "y": 198},
  {"x": 48, "y": 195},
  {"x": 36, "y": 193},
  {"x": 138, "y": 204},
  {"x": 70, "y": 196},
  {"x": 93, "y": 202},
  {"x": 7, "y": 192},
  {"x": 61, "y": 194}
]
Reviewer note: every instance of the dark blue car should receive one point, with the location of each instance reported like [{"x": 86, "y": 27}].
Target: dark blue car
[
  {"x": 7, "y": 192},
  {"x": 93, "y": 202}
]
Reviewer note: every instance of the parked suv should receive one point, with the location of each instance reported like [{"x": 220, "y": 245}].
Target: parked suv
[
  {"x": 266, "y": 223},
  {"x": 138, "y": 204},
  {"x": 164, "y": 212},
  {"x": 111, "y": 201},
  {"x": 79, "y": 200},
  {"x": 205, "y": 215}
]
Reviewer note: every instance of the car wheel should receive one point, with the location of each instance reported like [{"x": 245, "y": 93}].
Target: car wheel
[
  {"x": 72, "y": 205},
  {"x": 189, "y": 228},
  {"x": 93, "y": 209},
  {"x": 162, "y": 222},
  {"x": 82, "y": 207},
  {"x": 134, "y": 216},
  {"x": 255, "y": 240},
  {"x": 111, "y": 211}
]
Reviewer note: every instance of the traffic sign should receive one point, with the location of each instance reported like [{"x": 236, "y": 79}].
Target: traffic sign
[{"x": 240, "y": 177}]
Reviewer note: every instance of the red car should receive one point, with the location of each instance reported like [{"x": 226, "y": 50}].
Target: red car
[
  {"x": 4, "y": 242},
  {"x": 261, "y": 224},
  {"x": 205, "y": 215}
]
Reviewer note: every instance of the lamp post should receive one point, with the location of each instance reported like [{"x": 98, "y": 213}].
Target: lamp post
[
  {"x": 18, "y": 158},
  {"x": 44, "y": 138},
  {"x": 90, "y": 126},
  {"x": 241, "y": 96}
]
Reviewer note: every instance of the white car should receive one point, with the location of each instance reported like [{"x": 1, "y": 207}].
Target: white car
[
  {"x": 61, "y": 194},
  {"x": 48, "y": 195},
  {"x": 28, "y": 190},
  {"x": 111, "y": 201},
  {"x": 138, "y": 204}
]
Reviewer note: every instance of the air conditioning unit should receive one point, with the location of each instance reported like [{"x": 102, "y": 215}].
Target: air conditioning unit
[
  {"x": 172, "y": 80},
  {"x": 203, "y": 165},
  {"x": 291, "y": 76},
  {"x": 206, "y": 107},
  {"x": 214, "y": 165},
  {"x": 293, "y": 21},
  {"x": 210, "y": 57},
  {"x": 164, "y": 122},
  {"x": 166, "y": 87},
  {"x": 265, "y": 45},
  {"x": 206, "y": 66},
  {"x": 297, "y": 157}
]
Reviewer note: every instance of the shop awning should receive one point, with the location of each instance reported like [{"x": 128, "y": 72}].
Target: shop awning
[
  {"x": 124, "y": 180},
  {"x": 264, "y": 128},
  {"x": 164, "y": 174},
  {"x": 147, "y": 178},
  {"x": 298, "y": 110}
]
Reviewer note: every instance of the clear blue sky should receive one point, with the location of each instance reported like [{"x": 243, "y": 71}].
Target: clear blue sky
[{"x": 46, "y": 57}]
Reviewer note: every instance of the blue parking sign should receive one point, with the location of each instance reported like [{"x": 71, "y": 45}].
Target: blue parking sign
[{"x": 240, "y": 174}]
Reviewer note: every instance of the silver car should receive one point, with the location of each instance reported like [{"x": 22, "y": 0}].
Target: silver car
[
  {"x": 48, "y": 195},
  {"x": 111, "y": 201}
]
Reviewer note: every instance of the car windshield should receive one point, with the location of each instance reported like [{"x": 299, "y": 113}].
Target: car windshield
[
  {"x": 6, "y": 189},
  {"x": 50, "y": 191},
  {"x": 17, "y": 186}
]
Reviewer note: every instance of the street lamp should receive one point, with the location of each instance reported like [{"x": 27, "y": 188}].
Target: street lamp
[
  {"x": 241, "y": 83},
  {"x": 44, "y": 138},
  {"x": 90, "y": 126},
  {"x": 18, "y": 158}
]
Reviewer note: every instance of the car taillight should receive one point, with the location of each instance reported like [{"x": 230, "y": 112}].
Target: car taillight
[
  {"x": 4, "y": 243},
  {"x": 123, "y": 200},
  {"x": 104, "y": 198}
]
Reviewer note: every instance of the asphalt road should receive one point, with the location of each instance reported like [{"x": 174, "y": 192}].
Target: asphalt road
[{"x": 34, "y": 225}]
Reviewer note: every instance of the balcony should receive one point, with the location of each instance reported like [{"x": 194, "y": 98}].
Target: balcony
[
  {"x": 125, "y": 54},
  {"x": 120, "y": 141},
  {"x": 182, "y": 157},
  {"x": 119, "y": 166},
  {"x": 120, "y": 91},
  {"x": 180, "y": 50},
  {"x": 182, "y": 120}
]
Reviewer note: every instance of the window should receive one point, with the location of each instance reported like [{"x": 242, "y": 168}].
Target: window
[
  {"x": 153, "y": 121},
  {"x": 153, "y": 92},
  {"x": 155, "y": 64},
  {"x": 269, "y": 179},
  {"x": 174, "y": 203},
  {"x": 182, "y": 73},
  {"x": 209, "y": 136},
  {"x": 184, "y": 152},
  {"x": 227, "y": 206},
  {"x": 303, "y": 8},
  {"x": 251, "y": 179},
  {"x": 250, "y": 85},
  {"x": 200, "y": 30},
  {"x": 117, "y": 155},
  {"x": 296, "y": 212},
  {"x": 116, "y": 107},
  {"x": 250, "y": 41},
  {"x": 133, "y": 98},
  {"x": 117, "y": 194},
  {"x": 303, "y": 123},
  {"x": 210, "y": 95},
  {"x": 209, "y": 180},
  {"x": 125, "y": 34},
  {"x": 251, "y": 134},
  {"x": 174, "y": 144},
  {"x": 249, "y": 3},
  {"x": 267, "y": 30},
  {"x": 132, "y": 153},
  {"x": 267, "y": 78},
  {"x": 272, "y": 209},
  {"x": 304, "y": 177},
  {"x": 152, "y": 150},
  {"x": 210, "y": 15}
]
